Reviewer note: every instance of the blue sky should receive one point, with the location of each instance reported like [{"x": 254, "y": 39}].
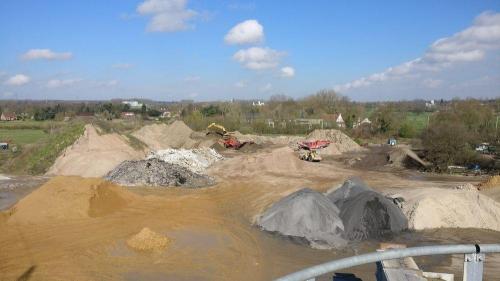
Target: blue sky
[{"x": 218, "y": 50}]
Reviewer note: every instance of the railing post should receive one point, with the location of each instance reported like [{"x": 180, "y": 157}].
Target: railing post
[{"x": 473, "y": 267}]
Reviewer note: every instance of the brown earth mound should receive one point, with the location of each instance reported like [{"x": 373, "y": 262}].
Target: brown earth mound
[
  {"x": 493, "y": 181},
  {"x": 162, "y": 136},
  {"x": 69, "y": 198},
  {"x": 340, "y": 142},
  {"x": 93, "y": 155},
  {"x": 404, "y": 157},
  {"x": 148, "y": 240}
]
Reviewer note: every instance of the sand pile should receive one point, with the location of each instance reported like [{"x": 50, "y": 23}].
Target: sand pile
[
  {"x": 154, "y": 172},
  {"x": 93, "y": 155},
  {"x": 162, "y": 136},
  {"x": 148, "y": 240},
  {"x": 404, "y": 157},
  {"x": 451, "y": 208},
  {"x": 493, "y": 181},
  {"x": 340, "y": 142},
  {"x": 195, "y": 160},
  {"x": 365, "y": 213},
  {"x": 70, "y": 198},
  {"x": 307, "y": 214}
]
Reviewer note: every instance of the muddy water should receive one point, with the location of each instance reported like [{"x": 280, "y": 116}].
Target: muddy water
[{"x": 16, "y": 187}]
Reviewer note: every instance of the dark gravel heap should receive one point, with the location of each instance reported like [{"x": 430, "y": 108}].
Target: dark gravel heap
[
  {"x": 154, "y": 172},
  {"x": 307, "y": 214},
  {"x": 352, "y": 212},
  {"x": 366, "y": 214}
]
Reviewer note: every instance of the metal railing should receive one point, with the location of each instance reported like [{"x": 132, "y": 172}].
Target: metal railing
[{"x": 473, "y": 260}]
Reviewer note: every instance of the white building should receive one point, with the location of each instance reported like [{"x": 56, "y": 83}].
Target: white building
[{"x": 133, "y": 104}]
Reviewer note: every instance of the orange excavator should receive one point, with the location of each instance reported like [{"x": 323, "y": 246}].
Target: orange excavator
[{"x": 228, "y": 140}]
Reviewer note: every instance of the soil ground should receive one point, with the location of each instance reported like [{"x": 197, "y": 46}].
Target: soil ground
[{"x": 210, "y": 230}]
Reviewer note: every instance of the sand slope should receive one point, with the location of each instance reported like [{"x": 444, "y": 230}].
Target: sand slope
[
  {"x": 451, "y": 208},
  {"x": 94, "y": 155},
  {"x": 340, "y": 142},
  {"x": 70, "y": 198},
  {"x": 162, "y": 136}
]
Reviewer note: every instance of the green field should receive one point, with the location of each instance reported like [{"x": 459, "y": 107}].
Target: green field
[
  {"x": 22, "y": 136},
  {"x": 419, "y": 120}
]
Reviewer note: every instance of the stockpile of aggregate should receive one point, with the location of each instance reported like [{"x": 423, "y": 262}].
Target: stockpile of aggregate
[
  {"x": 195, "y": 160},
  {"x": 366, "y": 214},
  {"x": 340, "y": 142},
  {"x": 352, "y": 212},
  {"x": 307, "y": 214},
  {"x": 155, "y": 172},
  {"x": 148, "y": 240}
]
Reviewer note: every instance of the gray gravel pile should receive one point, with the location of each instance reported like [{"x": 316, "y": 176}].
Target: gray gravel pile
[
  {"x": 352, "y": 212},
  {"x": 154, "y": 172},
  {"x": 308, "y": 214},
  {"x": 366, "y": 214}
]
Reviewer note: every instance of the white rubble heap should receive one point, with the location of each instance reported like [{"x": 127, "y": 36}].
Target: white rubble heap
[{"x": 196, "y": 160}]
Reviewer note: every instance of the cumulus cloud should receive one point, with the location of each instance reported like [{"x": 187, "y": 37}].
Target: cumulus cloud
[
  {"x": 166, "y": 15},
  {"x": 17, "y": 80},
  {"x": 467, "y": 46},
  {"x": 122, "y": 65},
  {"x": 46, "y": 54},
  {"x": 247, "y": 32},
  {"x": 57, "y": 83},
  {"x": 287, "y": 72},
  {"x": 258, "y": 58}
]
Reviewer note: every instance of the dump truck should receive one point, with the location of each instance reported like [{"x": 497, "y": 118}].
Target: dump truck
[{"x": 309, "y": 150}]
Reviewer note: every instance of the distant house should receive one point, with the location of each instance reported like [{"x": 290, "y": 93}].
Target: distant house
[
  {"x": 309, "y": 122},
  {"x": 166, "y": 114},
  {"x": 127, "y": 115},
  {"x": 334, "y": 118},
  {"x": 270, "y": 123},
  {"x": 133, "y": 104},
  {"x": 8, "y": 116},
  {"x": 431, "y": 104},
  {"x": 258, "y": 103},
  {"x": 365, "y": 121}
]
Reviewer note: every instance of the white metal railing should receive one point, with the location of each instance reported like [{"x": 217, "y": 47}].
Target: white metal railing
[{"x": 473, "y": 260}]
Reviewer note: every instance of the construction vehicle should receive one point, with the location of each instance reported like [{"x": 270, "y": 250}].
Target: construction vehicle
[
  {"x": 309, "y": 150},
  {"x": 228, "y": 140},
  {"x": 216, "y": 129}
]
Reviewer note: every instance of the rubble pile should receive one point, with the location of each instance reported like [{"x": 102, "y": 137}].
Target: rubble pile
[
  {"x": 196, "y": 160},
  {"x": 155, "y": 172}
]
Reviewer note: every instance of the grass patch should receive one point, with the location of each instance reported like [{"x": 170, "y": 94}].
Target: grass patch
[
  {"x": 418, "y": 120},
  {"x": 22, "y": 136},
  {"x": 47, "y": 126},
  {"x": 36, "y": 158}
]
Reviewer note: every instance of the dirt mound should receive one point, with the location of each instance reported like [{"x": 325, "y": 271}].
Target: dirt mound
[
  {"x": 340, "y": 142},
  {"x": 493, "y": 181},
  {"x": 451, "y": 208},
  {"x": 93, "y": 155},
  {"x": 307, "y": 214},
  {"x": 403, "y": 157},
  {"x": 154, "y": 172},
  {"x": 148, "y": 240},
  {"x": 69, "y": 198},
  {"x": 162, "y": 136},
  {"x": 195, "y": 160},
  {"x": 365, "y": 213}
]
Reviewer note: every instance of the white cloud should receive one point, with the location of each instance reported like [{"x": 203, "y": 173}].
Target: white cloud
[
  {"x": 17, "y": 80},
  {"x": 287, "y": 72},
  {"x": 122, "y": 65},
  {"x": 167, "y": 15},
  {"x": 57, "y": 83},
  {"x": 47, "y": 54},
  {"x": 467, "y": 46},
  {"x": 432, "y": 83},
  {"x": 247, "y": 32},
  {"x": 257, "y": 58}
]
